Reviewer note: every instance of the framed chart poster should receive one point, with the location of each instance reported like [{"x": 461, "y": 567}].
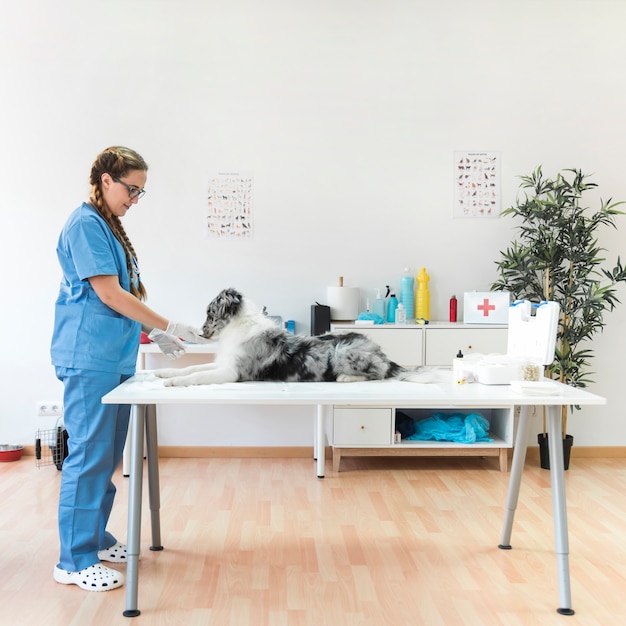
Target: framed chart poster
[
  {"x": 229, "y": 206},
  {"x": 476, "y": 184}
]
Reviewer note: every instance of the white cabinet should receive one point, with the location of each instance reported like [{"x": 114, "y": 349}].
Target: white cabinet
[
  {"x": 402, "y": 344},
  {"x": 432, "y": 344},
  {"x": 363, "y": 431},
  {"x": 362, "y": 427},
  {"x": 444, "y": 342}
]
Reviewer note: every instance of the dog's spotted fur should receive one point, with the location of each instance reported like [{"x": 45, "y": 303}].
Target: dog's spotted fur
[{"x": 252, "y": 347}]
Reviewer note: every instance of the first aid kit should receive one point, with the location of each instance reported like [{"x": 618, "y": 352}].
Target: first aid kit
[{"x": 532, "y": 330}]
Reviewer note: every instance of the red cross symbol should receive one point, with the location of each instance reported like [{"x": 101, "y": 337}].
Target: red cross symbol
[{"x": 486, "y": 307}]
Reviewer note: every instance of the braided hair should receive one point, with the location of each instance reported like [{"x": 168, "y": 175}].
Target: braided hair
[{"x": 118, "y": 161}]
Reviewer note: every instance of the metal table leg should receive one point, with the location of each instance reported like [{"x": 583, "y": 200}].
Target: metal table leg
[
  {"x": 320, "y": 448},
  {"x": 126, "y": 454},
  {"x": 315, "y": 442},
  {"x": 154, "y": 490},
  {"x": 515, "y": 479},
  {"x": 137, "y": 425},
  {"x": 559, "y": 508}
]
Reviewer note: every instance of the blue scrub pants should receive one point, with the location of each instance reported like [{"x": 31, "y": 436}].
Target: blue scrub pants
[{"x": 96, "y": 438}]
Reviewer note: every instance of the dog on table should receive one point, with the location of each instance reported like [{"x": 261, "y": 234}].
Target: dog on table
[{"x": 253, "y": 348}]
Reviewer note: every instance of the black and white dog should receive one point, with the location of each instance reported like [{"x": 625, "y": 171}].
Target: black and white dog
[{"x": 253, "y": 347}]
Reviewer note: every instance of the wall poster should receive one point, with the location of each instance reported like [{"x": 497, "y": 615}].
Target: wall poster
[
  {"x": 476, "y": 184},
  {"x": 229, "y": 206}
]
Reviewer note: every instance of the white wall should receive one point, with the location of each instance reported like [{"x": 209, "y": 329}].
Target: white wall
[{"x": 347, "y": 113}]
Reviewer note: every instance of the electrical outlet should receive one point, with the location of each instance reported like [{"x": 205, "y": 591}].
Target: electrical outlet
[{"x": 50, "y": 409}]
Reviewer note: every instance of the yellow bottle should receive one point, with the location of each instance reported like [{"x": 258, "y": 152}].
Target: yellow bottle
[{"x": 422, "y": 296}]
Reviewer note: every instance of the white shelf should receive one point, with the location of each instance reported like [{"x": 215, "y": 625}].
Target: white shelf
[
  {"x": 496, "y": 443},
  {"x": 369, "y": 431}
]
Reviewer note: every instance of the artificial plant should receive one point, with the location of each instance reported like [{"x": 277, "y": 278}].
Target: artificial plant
[{"x": 556, "y": 256}]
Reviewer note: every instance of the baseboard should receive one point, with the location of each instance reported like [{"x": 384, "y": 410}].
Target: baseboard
[
  {"x": 235, "y": 452},
  {"x": 584, "y": 452},
  {"x": 238, "y": 452},
  {"x": 300, "y": 452}
]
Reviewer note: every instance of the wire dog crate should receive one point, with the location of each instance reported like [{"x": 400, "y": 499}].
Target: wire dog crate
[{"x": 51, "y": 447}]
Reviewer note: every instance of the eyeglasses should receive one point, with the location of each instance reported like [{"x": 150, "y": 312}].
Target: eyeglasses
[{"x": 133, "y": 192}]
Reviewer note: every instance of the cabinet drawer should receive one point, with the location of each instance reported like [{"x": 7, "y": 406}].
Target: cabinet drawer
[
  {"x": 443, "y": 344},
  {"x": 404, "y": 345},
  {"x": 362, "y": 427}
]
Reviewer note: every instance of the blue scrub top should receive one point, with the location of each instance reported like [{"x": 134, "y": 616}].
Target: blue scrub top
[{"x": 87, "y": 333}]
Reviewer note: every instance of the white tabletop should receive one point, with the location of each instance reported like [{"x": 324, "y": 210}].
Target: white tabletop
[
  {"x": 190, "y": 348},
  {"x": 146, "y": 388}
]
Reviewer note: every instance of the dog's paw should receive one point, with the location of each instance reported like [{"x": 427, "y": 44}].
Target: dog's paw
[
  {"x": 350, "y": 378},
  {"x": 167, "y": 372},
  {"x": 179, "y": 381}
]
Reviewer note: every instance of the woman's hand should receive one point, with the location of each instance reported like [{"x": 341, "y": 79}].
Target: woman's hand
[{"x": 188, "y": 333}]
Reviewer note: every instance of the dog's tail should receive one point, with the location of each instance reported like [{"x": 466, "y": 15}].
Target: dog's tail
[{"x": 418, "y": 375}]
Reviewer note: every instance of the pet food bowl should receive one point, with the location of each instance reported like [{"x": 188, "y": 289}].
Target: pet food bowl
[{"x": 10, "y": 453}]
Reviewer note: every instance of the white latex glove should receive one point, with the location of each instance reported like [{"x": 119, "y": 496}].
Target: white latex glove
[
  {"x": 171, "y": 347},
  {"x": 183, "y": 331}
]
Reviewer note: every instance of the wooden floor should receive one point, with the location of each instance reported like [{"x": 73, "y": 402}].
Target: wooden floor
[{"x": 256, "y": 542}]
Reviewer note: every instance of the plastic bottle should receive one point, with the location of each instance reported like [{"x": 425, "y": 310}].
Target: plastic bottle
[
  {"x": 400, "y": 314},
  {"x": 392, "y": 305},
  {"x": 453, "y": 308},
  {"x": 458, "y": 373},
  {"x": 422, "y": 296},
  {"x": 379, "y": 305},
  {"x": 407, "y": 295}
]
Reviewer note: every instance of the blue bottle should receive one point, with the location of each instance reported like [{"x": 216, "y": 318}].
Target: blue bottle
[
  {"x": 392, "y": 305},
  {"x": 407, "y": 293}
]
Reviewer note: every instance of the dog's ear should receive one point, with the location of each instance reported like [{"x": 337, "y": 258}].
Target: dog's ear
[
  {"x": 232, "y": 293},
  {"x": 230, "y": 301}
]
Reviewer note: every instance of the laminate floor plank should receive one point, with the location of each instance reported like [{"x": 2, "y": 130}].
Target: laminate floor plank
[{"x": 398, "y": 541}]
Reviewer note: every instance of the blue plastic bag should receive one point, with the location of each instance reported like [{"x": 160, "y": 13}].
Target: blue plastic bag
[
  {"x": 457, "y": 428},
  {"x": 371, "y": 317}
]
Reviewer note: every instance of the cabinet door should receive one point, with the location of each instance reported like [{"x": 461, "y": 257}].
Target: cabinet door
[
  {"x": 443, "y": 344},
  {"x": 362, "y": 427},
  {"x": 402, "y": 344}
]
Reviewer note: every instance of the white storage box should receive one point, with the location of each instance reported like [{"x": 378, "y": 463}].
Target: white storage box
[
  {"x": 531, "y": 344},
  {"x": 492, "y": 371}
]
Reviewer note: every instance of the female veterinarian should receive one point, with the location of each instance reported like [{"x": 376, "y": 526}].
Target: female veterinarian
[{"x": 98, "y": 319}]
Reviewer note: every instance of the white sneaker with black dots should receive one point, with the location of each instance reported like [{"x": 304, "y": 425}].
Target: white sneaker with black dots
[{"x": 96, "y": 577}]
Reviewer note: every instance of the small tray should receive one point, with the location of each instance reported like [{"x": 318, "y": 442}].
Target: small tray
[{"x": 536, "y": 387}]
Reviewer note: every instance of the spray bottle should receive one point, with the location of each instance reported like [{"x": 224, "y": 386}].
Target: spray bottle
[
  {"x": 379, "y": 305},
  {"x": 392, "y": 305},
  {"x": 453, "y": 308}
]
